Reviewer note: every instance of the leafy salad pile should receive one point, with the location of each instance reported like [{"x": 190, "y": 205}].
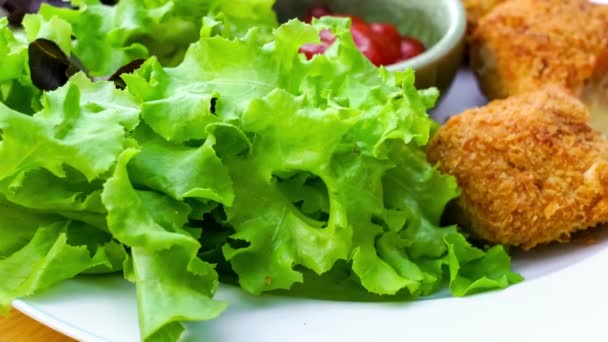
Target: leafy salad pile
[{"x": 228, "y": 155}]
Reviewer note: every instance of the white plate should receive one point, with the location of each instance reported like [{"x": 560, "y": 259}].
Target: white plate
[{"x": 564, "y": 298}]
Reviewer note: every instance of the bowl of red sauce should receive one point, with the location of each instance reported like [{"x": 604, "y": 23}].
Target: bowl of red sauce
[{"x": 425, "y": 35}]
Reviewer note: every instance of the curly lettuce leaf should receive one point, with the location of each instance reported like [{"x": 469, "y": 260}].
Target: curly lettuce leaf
[
  {"x": 57, "y": 251},
  {"x": 57, "y": 30},
  {"x": 54, "y": 165},
  {"x": 172, "y": 283},
  {"x": 392, "y": 247},
  {"x": 72, "y": 196},
  {"x": 17, "y": 90},
  {"x": 180, "y": 171},
  {"x": 335, "y": 120},
  {"x": 66, "y": 149},
  {"x": 281, "y": 170},
  {"x": 82, "y": 125},
  {"x": 410, "y": 188},
  {"x": 18, "y": 227},
  {"x": 108, "y": 37}
]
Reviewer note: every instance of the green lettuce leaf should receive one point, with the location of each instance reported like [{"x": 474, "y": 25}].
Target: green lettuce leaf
[
  {"x": 71, "y": 196},
  {"x": 172, "y": 283},
  {"x": 180, "y": 171},
  {"x": 329, "y": 165},
  {"x": 53, "y": 222},
  {"x": 245, "y": 159},
  {"x": 51, "y": 257},
  {"x": 18, "y": 227},
  {"x": 108, "y": 37},
  {"x": 82, "y": 125},
  {"x": 66, "y": 148},
  {"x": 57, "y": 30},
  {"x": 16, "y": 88}
]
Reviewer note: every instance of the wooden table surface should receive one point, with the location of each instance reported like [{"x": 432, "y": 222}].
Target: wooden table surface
[{"x": 19, "y": 328}]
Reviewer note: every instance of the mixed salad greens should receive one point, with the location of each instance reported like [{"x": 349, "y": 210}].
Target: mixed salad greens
[{"x": 227, "y": 155}]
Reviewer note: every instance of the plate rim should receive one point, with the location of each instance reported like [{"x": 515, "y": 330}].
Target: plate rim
[
  {"x": 32, "y": 310},
  {"x": 51, "y": 321}
]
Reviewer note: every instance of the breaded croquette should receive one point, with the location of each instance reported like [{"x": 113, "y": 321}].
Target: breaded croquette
[
  {"x": 523, "y": 45},
  {"x": 595, "y": 94},
  {"x": 476, "y": 9},
  {"x": 531, "y": 169}
]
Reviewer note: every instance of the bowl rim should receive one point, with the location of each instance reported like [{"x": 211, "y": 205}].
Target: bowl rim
[{"x": 449, "y": 41}]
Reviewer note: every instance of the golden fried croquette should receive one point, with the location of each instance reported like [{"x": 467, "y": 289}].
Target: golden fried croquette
[
  {"x": 476, "y": 9},
  {"x": 602, "y": 9},
  {"x": 523, "y": 45},
  {"x": 595, "y": 94},
  {"x": 531, "y": 169}
]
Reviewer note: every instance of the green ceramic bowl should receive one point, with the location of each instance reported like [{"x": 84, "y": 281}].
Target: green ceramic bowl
[{"x": 440, "y": 24}]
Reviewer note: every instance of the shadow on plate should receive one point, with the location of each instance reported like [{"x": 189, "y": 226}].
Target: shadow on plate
[{"x": 548, "y": 259}]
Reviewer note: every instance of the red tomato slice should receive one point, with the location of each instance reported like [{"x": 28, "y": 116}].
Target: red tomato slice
[
  {"x": 366, "y": 43},
  {"x": 381, "y": 43},
  {"x": 411, "y": 47},
  {"x": 390, "y": 41}
]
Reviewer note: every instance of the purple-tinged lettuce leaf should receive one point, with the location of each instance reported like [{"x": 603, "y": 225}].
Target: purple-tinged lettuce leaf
[
  {"x": 17, "y": 9},
  {"x": 20, "y": 88}
]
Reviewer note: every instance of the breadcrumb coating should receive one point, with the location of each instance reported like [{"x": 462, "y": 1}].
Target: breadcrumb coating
[
  {"x": 476, "y": 9},
  {"x": 523, "y": 45},
  {"x": 595, "y": 94},
  {"x": 531, "y": 169}
]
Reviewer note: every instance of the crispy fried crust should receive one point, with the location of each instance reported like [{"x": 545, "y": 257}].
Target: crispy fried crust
[
  {"x": 522, "y": 45},
  {"x": 531, "y": 169},
  {"x": 595, "y": 94},
  {"x": 476, "y": 9}
]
